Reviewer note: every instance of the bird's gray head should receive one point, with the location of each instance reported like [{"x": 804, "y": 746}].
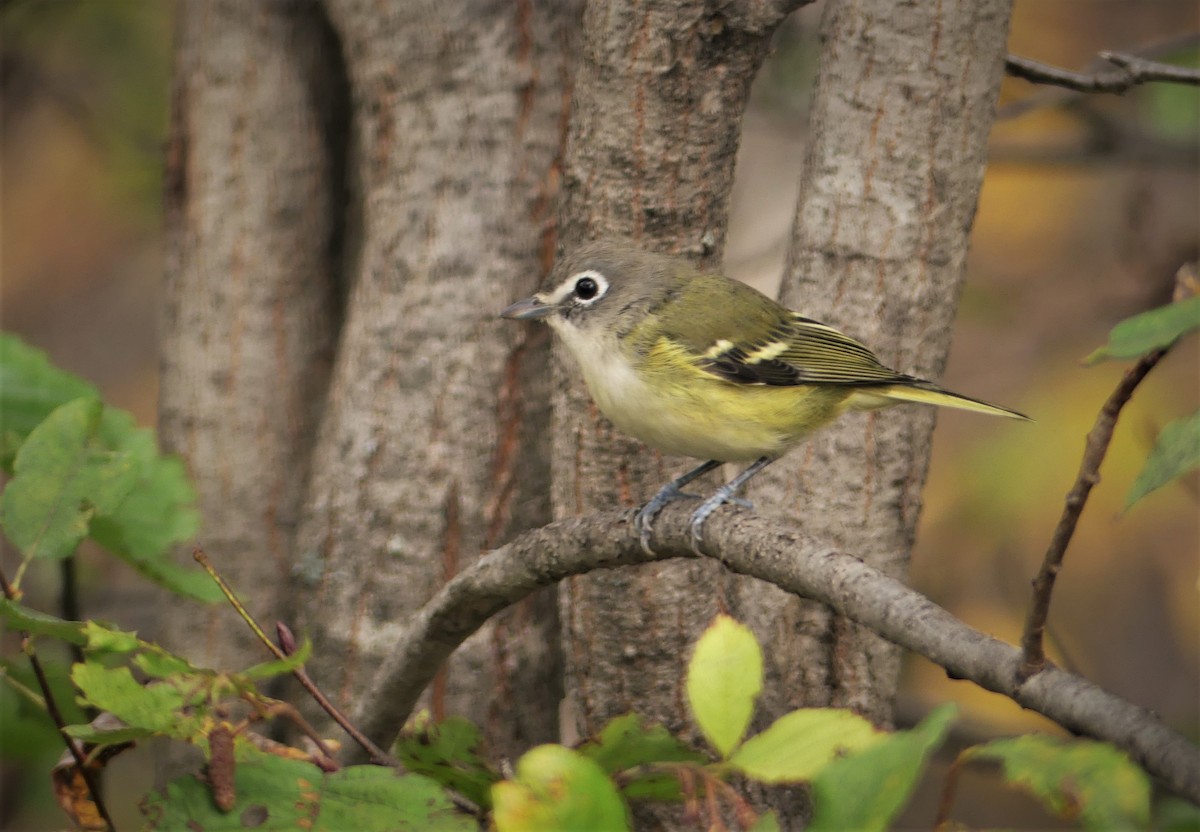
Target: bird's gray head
[{"x": 598, "y": 285}]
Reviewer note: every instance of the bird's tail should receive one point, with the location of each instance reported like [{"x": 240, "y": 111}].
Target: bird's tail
[{"x": 923, "y": 392}]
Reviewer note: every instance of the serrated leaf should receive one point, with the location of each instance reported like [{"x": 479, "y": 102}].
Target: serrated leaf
[
  {"x": 626, "y": 742},
  {"x": 63, "y": 478},
  {"x": 158, "y": 512},
  {"x": 557, "y": 788},
  {"x": 104, "y": 639},
  {"x": 866, "y": 790},
  {"x": 724, "y": 679},
  {"x": 31, "y": 388},
  {"x": 798, "y": 745},
  {"x": 157, "y": 707},
  {"x": 28, "y": 620},
  {"x": 159, "y": 663},
  {"x": 1078, "y": 780},
  {"x": 273, "y": 793},
  {"x": 448, "y": 752},
  {"x": 1148, "y": 331},
  {"x": 1176, "y": 452}
]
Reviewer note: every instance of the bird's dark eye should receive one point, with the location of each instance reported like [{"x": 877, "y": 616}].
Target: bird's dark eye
[{"x": 586, "y": 288}]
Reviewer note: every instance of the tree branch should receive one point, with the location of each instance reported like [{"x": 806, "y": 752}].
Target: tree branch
[
  {"x": 1124, "y": 72},
  {"x": 1098, "y": 439},
  {"x": 749, "y": 545}
]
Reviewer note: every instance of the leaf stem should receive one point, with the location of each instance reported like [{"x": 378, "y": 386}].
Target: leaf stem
[
  {"x": 85, "y": 770},
  {"x": 377, "y": 754}
]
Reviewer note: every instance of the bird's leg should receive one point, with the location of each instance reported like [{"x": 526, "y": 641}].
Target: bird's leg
[
  {"x": 668, "y": 493},
  {"x": 724, "y": 495}
]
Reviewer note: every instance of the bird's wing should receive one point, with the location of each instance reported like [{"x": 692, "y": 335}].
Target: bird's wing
[
  {"x": 795, "y": 351},
  {"x": 765, "y": 343}
]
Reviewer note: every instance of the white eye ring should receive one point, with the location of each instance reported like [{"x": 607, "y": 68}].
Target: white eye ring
[{"x": 583, "y": 288}]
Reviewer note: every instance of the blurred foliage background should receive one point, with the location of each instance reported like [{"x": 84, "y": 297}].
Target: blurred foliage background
[{"x": 1090, "y": 205}]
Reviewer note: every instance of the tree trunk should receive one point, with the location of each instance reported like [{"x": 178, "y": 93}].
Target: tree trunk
[
  {"x": 254, "y": 196},
  {"x": 901, "y": 114},
  {"x": 426, "y": 456},
  {"x": 659, "y": 95}
]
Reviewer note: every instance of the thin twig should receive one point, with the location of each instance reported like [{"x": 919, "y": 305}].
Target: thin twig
[
  {"x": 1123, "y": 72},
  {"x": 1033, "y": 655},
  {"x": 85, "y": 770},
  {"x": 377, "y": 754},
  {"x": 1062, "y": 96}
]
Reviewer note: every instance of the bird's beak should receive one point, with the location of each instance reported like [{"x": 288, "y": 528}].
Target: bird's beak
[{"x": 528, "y": 310}]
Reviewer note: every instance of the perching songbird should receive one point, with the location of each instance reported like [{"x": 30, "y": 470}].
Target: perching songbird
[{"x": 696, "y": 364}]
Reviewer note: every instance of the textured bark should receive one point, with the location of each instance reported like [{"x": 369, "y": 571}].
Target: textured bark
[
  {"x": 795, "y": 563},
  {"x": 900, "y": 119},
  {"x": 253, "y": 201},
  {"x": 659, "y": 94},
  {"x": 426, "y": 456}
]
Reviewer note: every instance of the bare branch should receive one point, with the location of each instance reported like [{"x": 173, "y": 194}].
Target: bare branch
[
  {"x": 750, "y": 545},
  {"x": 1098, "y": 438},
  {"x": 1125, "y": 71}
]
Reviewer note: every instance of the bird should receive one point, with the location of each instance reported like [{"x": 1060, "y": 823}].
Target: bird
[{"x": 697, "y": 364}]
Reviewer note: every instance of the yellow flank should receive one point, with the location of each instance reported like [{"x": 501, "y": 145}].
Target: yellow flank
[{"x": 691, "y": 412}]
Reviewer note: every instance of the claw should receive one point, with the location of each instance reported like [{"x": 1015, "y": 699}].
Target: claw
[
  {"x": 644, "y": 521},
  {"x": 667, "y": 494}
]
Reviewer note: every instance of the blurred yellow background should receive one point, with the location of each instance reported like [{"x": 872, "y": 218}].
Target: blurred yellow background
[{"x": 1089, "y": 206}]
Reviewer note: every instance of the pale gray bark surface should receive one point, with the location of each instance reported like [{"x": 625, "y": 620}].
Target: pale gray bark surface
[
  {"x": 254, "y": 196},
  {"x": 900, "y": 118},
  {"x": 426, "y": 457}
]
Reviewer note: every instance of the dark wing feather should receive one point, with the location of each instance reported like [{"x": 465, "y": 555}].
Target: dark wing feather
[
  {"x": 767, "y": 343},
  {"x": 799, "y": 351}
]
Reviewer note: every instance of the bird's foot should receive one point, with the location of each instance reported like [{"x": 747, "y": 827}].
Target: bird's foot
[
  {"x": 724, "y": 494},
  {"x": 644, "y": 521}
]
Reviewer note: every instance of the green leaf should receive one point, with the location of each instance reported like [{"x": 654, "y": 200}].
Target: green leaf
[
  {"x": 626, "y": 742},
  {"x": 278, "y": 667},
  {"x": 448, "y": 752},
  {"x": 64, "y": 477},
  {"x": 273, "y": 793},
  {"x": 107, "y": 736},
  {"x": 798, "y": 745},
  {"x": 158, "y": 512},
  {"x": 865, "y": 790},
  {"x": 28, "y": 620},
  {"x": 159, "y": 663},
  {"x": 104, "y": 639},
  {"x": 157, "y": 707},
  {"x": 1176, "y": 452},
  {"x": 27, "y": 734},
  {"x": 1148, "y": 331},
  {"x": 1171, "y": 111},
  {"x": 724, "y": 678},
  {"x": 767, "y": 822},
  {"x": 557, "y": 788},
  {"x": 1173, "y": 814},
  {"x": 1079, "y": 780},
  {"x": 31, "y": 388}
]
